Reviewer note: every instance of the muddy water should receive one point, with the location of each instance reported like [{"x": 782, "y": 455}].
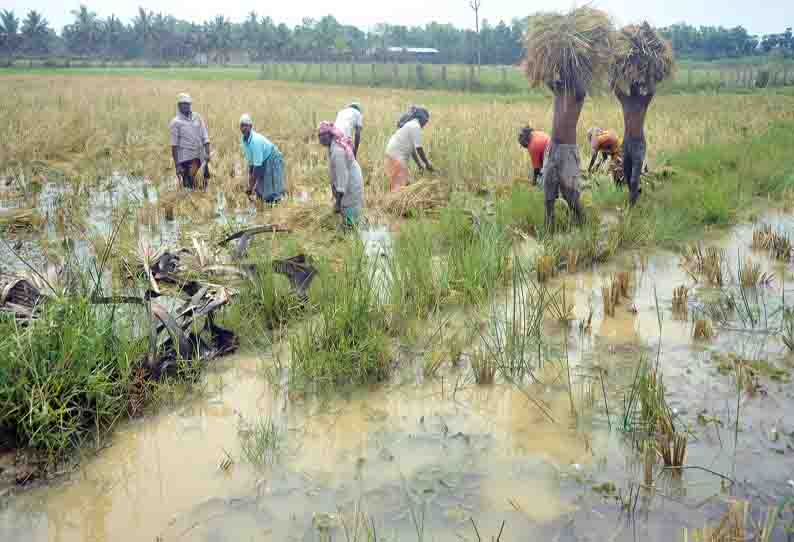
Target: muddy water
[
  {"x": 441, "y": 451},
  {"x": 79, "y": 212}
]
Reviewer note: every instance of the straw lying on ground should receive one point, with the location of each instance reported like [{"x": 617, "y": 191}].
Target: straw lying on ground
[
  {"x": 642, "y": 58},
  {"x": 418, "y": 197},
  {"x": 572, "y": 48}
]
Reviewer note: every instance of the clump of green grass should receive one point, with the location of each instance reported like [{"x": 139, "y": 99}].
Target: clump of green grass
[
  {"x": 266, "y": 302},
  {"x": 478, "y": 253},
  {"x": 260, "y": 441},
  {"x": 418, "y": 281},
  {"x": 346, "y": 343},
  {"x": 65, "y": 375}
]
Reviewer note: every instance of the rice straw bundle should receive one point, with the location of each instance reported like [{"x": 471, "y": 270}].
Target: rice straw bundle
[
  {"x": 418, "y": 197},
  {"x": 642, "y": 58},
  {"x": 573, "y": 49}
]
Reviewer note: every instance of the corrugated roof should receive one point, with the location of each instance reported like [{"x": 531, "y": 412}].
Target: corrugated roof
[{"x": 414, "y": 50}]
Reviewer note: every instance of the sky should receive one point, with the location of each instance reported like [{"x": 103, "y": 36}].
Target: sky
[{"x": 759, "y": 16}]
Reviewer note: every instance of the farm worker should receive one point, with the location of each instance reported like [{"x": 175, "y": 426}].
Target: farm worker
[
  {"x": 406, "y": 143},
  {"x": 406, "y": 117},
  {"x": 265, "y": 163},
  {"x": 347, "y": 182},
  {"x": 536, "y": 143},
  {"x": 635, "y": 106},
  {"x": 561, "y": 165},
  {"x": 189, "y": 138},
  {"x": 350, "y": 121},
  {"x": 604, "y": 143}
]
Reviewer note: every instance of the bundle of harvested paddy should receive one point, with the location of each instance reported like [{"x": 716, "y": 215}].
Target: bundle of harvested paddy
[
  {"x": 571, "y": 50},
  {"x": 417, "y": 198},
  {"x": 642, "y": 58},
  {"x": 20, "y": 220},
  {"x": 310, "y": 215}
]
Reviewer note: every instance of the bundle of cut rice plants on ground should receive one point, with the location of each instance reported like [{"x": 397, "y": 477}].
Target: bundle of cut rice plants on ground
[
  {"x": 642, "y": 59},
  {"x": 570, "y": 50},
  {"x": 417, "y": 198}
]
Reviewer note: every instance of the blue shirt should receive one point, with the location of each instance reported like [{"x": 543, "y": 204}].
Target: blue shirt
[{"x": 257, "y": 149}]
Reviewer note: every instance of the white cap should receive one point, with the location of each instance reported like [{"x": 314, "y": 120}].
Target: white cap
[
  {"x": 245, "y": 120},
  {"x": 184, "y": 98}
]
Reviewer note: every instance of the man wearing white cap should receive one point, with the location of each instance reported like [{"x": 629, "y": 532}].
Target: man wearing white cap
[
  {"x": 190, "y": 141},
  {"x": 265, "y": 163}
]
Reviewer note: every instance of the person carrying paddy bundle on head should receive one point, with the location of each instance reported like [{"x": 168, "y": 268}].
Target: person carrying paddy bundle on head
[
  {"x": 641, "y": 60},
  {"x": 190, "y": 142},
  {"x": 603, "y": 144},
  {"x": 536, "y": 143},
  {"x": 347, "y": 182},
  {"x": 265, "y": 163},
  {"x": 350, "y": 121},
  {"x": 406, "y": 143},
  {"x": 566, "y": 52}
]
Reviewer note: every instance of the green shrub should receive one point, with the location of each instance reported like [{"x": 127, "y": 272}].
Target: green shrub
[
  {"x": 64, "y": 375},
  {"x": 418, "y": 281},
  {"x": 346, "y": 343}
]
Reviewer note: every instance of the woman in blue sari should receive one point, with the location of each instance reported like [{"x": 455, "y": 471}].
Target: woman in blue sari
[{"x": 265, "y": 163}]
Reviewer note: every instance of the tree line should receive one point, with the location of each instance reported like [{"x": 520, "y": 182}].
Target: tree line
[{"x": 157, "y": 37}]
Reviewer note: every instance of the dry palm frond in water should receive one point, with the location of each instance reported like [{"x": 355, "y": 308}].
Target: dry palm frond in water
[
  {"x": 416, "y": 198},
  {"x": 642, "y": 58},
  {"x": 573, "y": 48}
]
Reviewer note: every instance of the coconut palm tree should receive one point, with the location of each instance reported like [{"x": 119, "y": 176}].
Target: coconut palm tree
[
  {"x": 220, "y": 39},
  {"x": 84, "y": 36},
  {"x": 36, "y": 34},
  {"x": 144, "y": 31},
  {"x": 9, "y": 32}
]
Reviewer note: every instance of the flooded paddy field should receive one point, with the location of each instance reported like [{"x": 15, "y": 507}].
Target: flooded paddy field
[
  {"x": 441, "y": 454},
  {"x": 637, "y": 387}
]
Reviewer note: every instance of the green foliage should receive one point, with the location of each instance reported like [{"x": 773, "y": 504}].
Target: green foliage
[
  {"x": 478, "y": 252},
  {"x": 418, "y": 281},
  {"x": 266, "y": 302},
  {"x": 260, "y": 441},
  {"x": 64, "y": 375},
  {"x": 346, "y": 343}
]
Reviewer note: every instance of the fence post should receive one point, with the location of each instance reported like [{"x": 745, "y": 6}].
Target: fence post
[
  {"x": 419, "y": 76},
  {"x": 353, "y": 73},
  {"x": 504, "y": 79},
  {"x": 785, "y": 75},
  {"x": 444, "y": 81},
  {"x": 471, "y": 77},
  {"x": 374, "y": 77},
  {"x": 689, "y": 78},
  {"x": 395, "y": 75}
]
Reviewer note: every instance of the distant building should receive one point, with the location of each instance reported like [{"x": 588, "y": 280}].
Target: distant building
[{"x": 411, "y": 54}]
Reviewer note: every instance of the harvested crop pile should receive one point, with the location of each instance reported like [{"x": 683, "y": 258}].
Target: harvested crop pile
[
  {"x": 642, "y": 58},
  {"x": 416, "y": 198},
  {"x": 20, "y": 220},
  {"x": 571, "y": 50}
]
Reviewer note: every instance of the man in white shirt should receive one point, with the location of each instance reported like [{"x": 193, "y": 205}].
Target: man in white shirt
[
  {"x": 406, "y": 143},
  {"x": 350, "y": 121}
]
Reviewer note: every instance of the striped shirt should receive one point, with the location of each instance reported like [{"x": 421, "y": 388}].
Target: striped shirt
[{"x": 188, "y": 135}]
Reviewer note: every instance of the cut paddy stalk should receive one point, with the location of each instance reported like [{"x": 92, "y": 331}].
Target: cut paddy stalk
[
  {"x": 703, "y": 330},
  {"x": 681, "y": 303}
]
